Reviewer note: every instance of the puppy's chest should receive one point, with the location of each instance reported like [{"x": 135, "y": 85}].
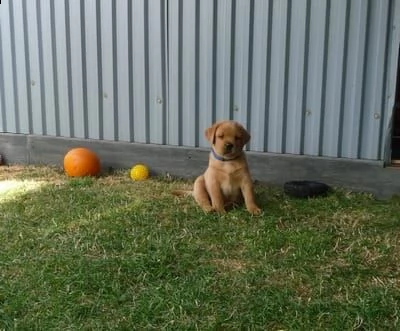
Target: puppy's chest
[
  {"x": 230, "y": 190},
  {"x": 229, "y": 178},
  {"x": 230, "y": 187}
]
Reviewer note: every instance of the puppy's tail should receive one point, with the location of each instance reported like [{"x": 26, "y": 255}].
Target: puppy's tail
[{"x": 182, "y": 193}]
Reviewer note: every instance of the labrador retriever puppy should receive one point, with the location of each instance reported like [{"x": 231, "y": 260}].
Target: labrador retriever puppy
[{"x": 227, "y": 180}]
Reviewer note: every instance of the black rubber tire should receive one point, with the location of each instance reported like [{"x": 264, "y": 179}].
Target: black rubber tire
[{"x": 305, "y": 189}]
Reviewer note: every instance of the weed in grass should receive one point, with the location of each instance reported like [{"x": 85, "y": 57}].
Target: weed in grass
[{"x": 109, "y": 253}]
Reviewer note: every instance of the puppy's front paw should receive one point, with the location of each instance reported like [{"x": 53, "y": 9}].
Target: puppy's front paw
[
  {"x": 207, "y": 209},
  {"x": 219, "y": 209},
  {"x": 254, "y": 210}
]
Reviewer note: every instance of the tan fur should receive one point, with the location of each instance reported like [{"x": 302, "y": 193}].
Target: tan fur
[{"x": 228, "y": 182}]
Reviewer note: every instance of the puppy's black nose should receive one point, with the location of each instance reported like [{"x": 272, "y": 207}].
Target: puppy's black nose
[{"x": 228, "y": 147}]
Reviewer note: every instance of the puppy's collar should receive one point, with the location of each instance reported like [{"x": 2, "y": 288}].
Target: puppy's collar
[{"x": 221, "y": 158}]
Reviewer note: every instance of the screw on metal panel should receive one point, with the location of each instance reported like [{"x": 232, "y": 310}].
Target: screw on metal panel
[
  {"x": 377, "y": 116},
  {"x": 159, "y": 100},
  {"x": 33, "y": 83},
  {"x": 105, "y": 95},
  {"x": 236, "y": 108},
  {"x": 308, "y": 112}
]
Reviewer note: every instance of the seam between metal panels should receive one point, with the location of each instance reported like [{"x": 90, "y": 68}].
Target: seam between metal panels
[
  {"x": 115, "y": 67},
  {"x": 250, "y": 69},
  {"x": 324, "y": 78},
  {"x": 387, "y": 157},
  {"x": 41, "y": 68},
  {"x": 69, "y": 69},
  {"x": 14, "y": 69},
  {"x": 99, "y": 70},
  {"x": 180, "y": 73},
  {"x": 344, "y": 79},
  {"x": 55, "y": 68},
  {"x": 364, "y": 74},
  {"x": 163, "y": 70},
  {"x": 2, "y": 92},
  {"x": 305, "y": 75},
  {"x": 166, "y": 66},
  {"x": 84, "y": 72},
  {"x": 197, "y": 76},
  {"x": 387, "y": 148},
  {"x": 286, "y": 75},
  {"x": 214, "y": 62},
  {"x": 389, "y": 24},
  {"x": 268, "y": 76},
  {"x": 146, "y": 71},
  {"x": 232, "y": 59},
  {"x": 28, "y": 67},
  {"x": 130, "y": 68}
]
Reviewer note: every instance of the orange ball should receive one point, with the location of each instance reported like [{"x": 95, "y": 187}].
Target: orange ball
[{"x": 79, "y": 162}]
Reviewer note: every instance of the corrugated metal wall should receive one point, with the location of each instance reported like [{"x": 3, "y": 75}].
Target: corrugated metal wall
[{"x": 313, "y": 77}]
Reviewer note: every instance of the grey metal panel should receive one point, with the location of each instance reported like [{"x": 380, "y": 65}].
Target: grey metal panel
[
  {"x": 20, "y": 77},
  {"x": 2, "y": 102},
  {"x": 2, "y": 95},
  {"x": 374, "y": 80},
  {"x": 156, "y": 73},
  {"x": 352, "y": 106},
  {"x": 224, "y": 30},
  {"x": 62, "y": 70},
  {"x": 34, "y": 68},
  {"x": 187, "y": 51},
  {"x": 295, "y": 77},
  {"x": 75, "y": 67},
  {"x": 107, "y": 69},
  {"x": 334, "y": 52},
  {"x": 276, "y": 111},
  {"x": 139, "y": 75},
  {"x": 313, "y": 77},
  {"x": 174, "y": 113},
  {"x": 205, "y": 67},
  {"x": 92, "y": 74},
  {"x": 242, "y": 63},
  {"x": 190, "y": 70},
  {"x": 122, "y": 35},
  {"x": 260, "y": 78},
  {"x": 8, "y": 123},
  {"x": 48, "y": 70}
]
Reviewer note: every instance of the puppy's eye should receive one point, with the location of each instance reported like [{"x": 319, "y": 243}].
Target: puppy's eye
[
  {"x": 220, "y": 136},
  {"x": 238, "y": 138}
]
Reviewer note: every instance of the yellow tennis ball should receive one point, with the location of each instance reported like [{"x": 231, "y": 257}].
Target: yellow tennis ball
[{"x": 140, "y": 172}]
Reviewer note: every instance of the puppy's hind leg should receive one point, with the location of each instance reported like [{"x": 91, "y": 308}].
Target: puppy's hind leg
[{"x": 201, "y": 195}]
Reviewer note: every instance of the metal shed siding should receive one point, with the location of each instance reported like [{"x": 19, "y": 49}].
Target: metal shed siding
[{"x": 314, "y": 77}]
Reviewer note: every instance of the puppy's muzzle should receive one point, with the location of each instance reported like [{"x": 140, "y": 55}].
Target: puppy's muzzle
[{"x": 228, "y": 147}]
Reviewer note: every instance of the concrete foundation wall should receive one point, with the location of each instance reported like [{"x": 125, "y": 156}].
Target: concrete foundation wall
[{"x": 182, "y": 162}]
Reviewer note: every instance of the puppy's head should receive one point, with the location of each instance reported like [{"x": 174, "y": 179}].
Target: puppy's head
[{"x": 227, "y": 138}]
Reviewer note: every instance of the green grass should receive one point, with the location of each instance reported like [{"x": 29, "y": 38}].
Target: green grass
[{"x": 113, "y": 254}]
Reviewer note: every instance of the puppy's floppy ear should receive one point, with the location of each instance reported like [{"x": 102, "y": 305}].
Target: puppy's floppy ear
[
  {"x": 210, "y": 132},
  {"x": 245, "y": 135}
]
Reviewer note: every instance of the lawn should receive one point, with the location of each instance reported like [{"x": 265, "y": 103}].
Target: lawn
[{"x": 112, "y": 254}]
